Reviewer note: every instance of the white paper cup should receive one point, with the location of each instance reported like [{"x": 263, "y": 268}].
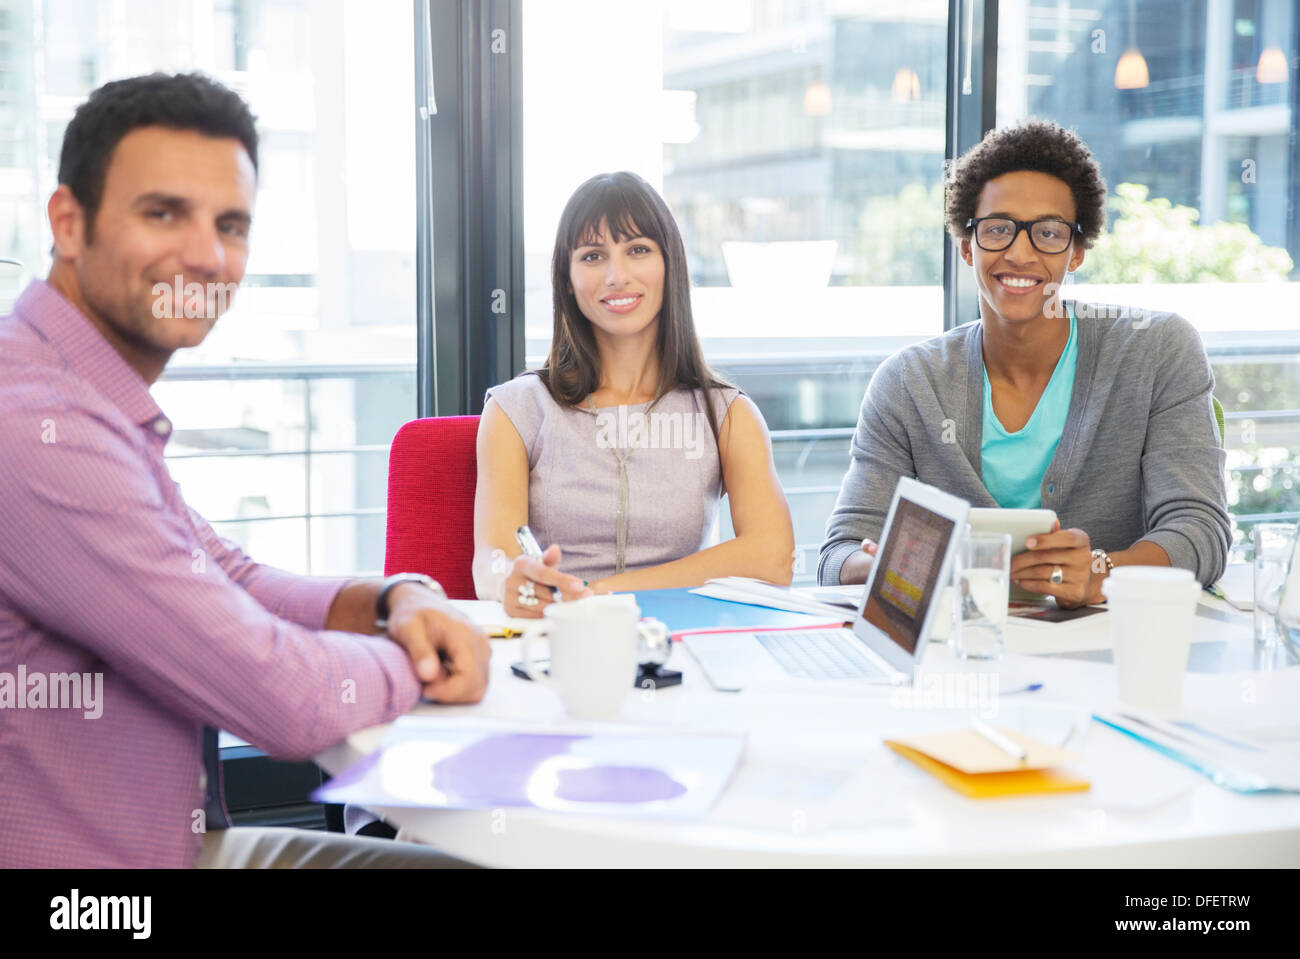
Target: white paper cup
[
  {"x": 1151, "y": 614},
  {"x": 594, "y": 645}
]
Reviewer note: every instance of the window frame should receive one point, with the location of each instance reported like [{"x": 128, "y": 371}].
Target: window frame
[
  {"x": 470, "y": 247},
  {"x": 471, "y": 238},
  {"x": 469, "y": 244}
]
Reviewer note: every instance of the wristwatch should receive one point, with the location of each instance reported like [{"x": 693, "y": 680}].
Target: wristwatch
[
  {"x": 381, "y": 601},
  {"x": 1100, "y": 554}
]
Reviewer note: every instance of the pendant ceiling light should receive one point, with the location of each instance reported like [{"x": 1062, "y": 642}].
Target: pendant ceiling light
[
  {"x": 817, "y": 99},
  {"x": 907, "y": 86},
  {"x": 1131, "y": 71},
  {"x": 1272, "y": 66}
]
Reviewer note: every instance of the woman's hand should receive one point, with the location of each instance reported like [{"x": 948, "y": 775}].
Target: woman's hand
[
  {"x": 1070, "y": 551},
  {"x": 545, "y": 578}
]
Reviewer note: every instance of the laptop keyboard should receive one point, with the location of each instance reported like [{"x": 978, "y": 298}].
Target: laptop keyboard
[{"x": 819, "y": 654}]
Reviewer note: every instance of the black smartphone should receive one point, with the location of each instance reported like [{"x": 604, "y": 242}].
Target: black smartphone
[{"x": 648, "y": 678}]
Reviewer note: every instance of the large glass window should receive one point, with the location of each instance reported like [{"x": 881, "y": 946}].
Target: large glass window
[
  {"x": 1187, "y": 105},
  {"x": 799, "y": 143},
  {"x": 284, "y": 415}
]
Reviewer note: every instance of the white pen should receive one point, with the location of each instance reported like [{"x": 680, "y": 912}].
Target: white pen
[{"x": 1014, "y": 750}]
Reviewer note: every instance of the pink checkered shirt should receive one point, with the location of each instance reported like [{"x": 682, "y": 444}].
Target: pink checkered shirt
[{"x": 104, "y": 569}]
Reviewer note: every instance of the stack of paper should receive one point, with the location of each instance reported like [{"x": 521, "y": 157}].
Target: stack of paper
[
  {"x": 1237, "y": 586},
  {"x": 491, "y": 616},
  {"x": 739, "y": 589}
]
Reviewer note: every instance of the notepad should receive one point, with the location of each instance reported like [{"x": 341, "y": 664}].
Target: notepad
[
  {"x": 970, "y": 764},
  {"x": 1237, "y": 586},
  {"x": 755, "y": 592}
]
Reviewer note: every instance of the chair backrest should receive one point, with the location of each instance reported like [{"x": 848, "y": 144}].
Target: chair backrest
[{"x": 432, "y": 469}]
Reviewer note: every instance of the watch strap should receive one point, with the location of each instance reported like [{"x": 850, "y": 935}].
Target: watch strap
[{"x": 397, "y": 579}]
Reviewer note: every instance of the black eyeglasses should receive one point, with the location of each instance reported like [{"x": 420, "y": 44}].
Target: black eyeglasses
[{"x": 996, "y": 233}]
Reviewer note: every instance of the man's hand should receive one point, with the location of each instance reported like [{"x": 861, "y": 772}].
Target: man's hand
[
  {"x": 450, "y": 654},
  {"x": 857, "y": 566},
  {"x": 1070, "y": 550},
  {"x": 545, "y": 577}
]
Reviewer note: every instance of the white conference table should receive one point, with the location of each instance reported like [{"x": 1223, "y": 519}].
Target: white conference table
[{"x": 817, "y": 787}]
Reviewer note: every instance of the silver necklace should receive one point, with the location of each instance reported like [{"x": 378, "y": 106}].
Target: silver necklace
[{"x": 620, "y": 535}]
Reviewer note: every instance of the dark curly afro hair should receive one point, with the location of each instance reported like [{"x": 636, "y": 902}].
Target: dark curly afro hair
[{"x": 1037, "y": 145}]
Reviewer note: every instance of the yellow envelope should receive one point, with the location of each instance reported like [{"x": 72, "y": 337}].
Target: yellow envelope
[{"x": 972, "y": 765}]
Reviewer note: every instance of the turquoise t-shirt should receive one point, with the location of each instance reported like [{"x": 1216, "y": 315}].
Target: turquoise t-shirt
[{"x": 1014, "y": 463}]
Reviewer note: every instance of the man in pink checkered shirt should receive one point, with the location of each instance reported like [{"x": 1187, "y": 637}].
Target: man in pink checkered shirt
[{"x": 105, "y": 571}]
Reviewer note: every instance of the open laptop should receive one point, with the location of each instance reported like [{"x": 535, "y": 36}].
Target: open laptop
[{"x": 913, "y": 564}]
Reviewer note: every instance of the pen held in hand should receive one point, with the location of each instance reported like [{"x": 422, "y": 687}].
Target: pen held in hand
[
  {"x": 444, "y": 663},
  {"x": 528, "y": 543}
]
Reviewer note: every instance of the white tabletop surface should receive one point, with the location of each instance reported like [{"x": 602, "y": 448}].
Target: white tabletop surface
[{"x": 816, "y": 785}]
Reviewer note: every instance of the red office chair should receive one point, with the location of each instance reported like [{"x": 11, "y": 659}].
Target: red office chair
[{"x": 432, "y": 469}]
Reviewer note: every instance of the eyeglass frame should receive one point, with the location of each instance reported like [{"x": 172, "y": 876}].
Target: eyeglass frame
[{"x": 973, "y": 225}]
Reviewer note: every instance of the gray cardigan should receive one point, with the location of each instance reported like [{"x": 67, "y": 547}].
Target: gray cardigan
[{"x": 1139, "y": 457}]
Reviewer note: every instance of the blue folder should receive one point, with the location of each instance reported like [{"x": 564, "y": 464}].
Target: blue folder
[{"x": 681, "y": 610}]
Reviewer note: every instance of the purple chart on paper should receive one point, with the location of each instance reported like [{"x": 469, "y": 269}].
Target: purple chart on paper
[{"x": 458, "y": 765}]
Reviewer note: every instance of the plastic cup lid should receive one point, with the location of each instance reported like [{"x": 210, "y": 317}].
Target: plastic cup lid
[{"x": 1150, "y": 582}]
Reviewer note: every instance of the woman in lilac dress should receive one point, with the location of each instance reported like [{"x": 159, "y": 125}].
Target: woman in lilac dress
[{"x": 617, "y": 451}]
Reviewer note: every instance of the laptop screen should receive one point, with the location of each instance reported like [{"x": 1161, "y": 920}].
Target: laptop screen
[{"x": 908, "y": 571}]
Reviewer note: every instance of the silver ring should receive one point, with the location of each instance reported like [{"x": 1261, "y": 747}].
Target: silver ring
[{"x": 1057, "y": 576}]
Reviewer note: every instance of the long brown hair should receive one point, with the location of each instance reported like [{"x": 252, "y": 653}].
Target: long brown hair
[{"x": 629, "y": 207}]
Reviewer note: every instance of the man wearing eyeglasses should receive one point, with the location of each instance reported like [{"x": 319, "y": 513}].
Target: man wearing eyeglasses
[{"x": 1103, "y": 414}]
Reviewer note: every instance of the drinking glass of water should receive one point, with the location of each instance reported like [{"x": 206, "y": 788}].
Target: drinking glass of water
[
  {"x": 1272, "y": 557},
  {"x": 981, "y": 584}
]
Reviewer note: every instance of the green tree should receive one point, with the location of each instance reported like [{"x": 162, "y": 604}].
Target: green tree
[
  {"x": 901, "y": 239},
  {"x": 1154, "y": 241}
]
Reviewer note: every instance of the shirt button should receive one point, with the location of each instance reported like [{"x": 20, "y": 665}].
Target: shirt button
[{"x": 162, "y": 427}]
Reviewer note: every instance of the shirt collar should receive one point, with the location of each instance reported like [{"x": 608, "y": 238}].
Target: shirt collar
[{"x": 90, "y": 356}]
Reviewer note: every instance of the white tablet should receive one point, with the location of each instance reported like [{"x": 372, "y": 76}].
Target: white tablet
[{"x": 1020, "y": 523}]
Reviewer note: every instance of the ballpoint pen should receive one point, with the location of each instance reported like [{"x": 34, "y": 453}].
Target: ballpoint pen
[
  {"x": 1031, "y": 688},
  {"x": 1014, "y": 750},
  {"x": 528, "y": 543}
]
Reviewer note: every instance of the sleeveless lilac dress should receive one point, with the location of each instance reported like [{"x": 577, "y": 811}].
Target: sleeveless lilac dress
[{"x": 620, "y": 487}]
